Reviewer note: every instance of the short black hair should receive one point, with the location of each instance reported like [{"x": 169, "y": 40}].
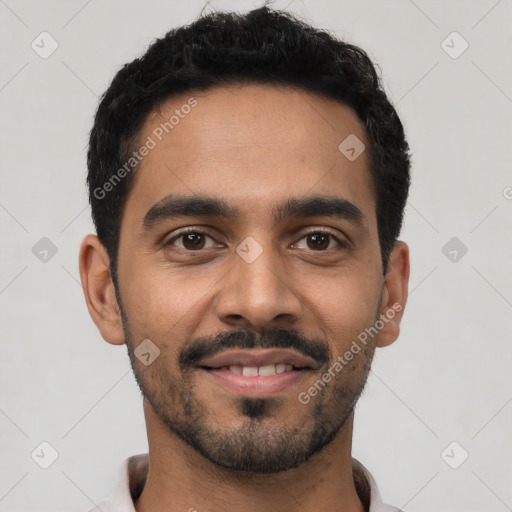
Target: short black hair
[{"x": 264, "y": 46}]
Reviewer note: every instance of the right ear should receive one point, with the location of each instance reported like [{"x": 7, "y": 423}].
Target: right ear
[{"x": 99, "y": 290}]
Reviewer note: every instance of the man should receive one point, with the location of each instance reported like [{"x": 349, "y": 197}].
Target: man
[{"x": 247, "y": 180}]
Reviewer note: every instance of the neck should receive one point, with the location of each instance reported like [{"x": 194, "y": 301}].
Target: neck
[{"x": 180, "y": 479}]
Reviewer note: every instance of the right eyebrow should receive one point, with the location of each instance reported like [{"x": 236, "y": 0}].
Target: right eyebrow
[{"x": 173, "y": 206}]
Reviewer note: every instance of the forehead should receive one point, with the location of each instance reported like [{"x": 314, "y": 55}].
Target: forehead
[{"x": 253, "y": 144}]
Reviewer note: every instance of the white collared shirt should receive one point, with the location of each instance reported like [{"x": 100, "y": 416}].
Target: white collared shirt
[{"x": 132, "y": 476}]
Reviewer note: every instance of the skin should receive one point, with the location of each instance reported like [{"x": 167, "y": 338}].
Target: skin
[{"x": 256, "y": 146}]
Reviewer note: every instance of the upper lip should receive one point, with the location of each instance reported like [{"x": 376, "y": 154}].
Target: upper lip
[{"x": 257, "y": 357}]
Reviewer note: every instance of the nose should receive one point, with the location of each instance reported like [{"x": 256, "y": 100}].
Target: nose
[{"x": 258, "y": 295}]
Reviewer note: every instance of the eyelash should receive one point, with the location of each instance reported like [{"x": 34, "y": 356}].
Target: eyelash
[{"x": 198, "y": 232}]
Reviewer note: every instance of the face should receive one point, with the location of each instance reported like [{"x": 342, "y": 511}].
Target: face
[{"x": 249, "y": 257}]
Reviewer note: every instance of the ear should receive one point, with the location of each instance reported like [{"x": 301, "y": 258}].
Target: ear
[
  {"x": 99, "y": 290},
  {"x": 394, "y": 295}
]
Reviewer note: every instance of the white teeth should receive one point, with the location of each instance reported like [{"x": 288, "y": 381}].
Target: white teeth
[
  {"x": 236, "y": 368},
  {"x": 267, "y": 370},
  {"x": 250, "y": 371},
  {"x": 263, "y": 371},
  {"x": 280, "y": 368}
]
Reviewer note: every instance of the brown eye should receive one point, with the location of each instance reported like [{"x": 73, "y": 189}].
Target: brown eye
[
  {"x": 319, "y": 241},
  {"x": 193, "y": 241},
  {"x": 190, "y": 241}
]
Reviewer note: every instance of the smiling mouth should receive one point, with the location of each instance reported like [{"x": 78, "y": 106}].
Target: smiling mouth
[{"x": 256, "y": 371}]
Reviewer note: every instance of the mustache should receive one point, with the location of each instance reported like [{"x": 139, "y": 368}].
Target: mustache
[{"x": 201, "y": 348}]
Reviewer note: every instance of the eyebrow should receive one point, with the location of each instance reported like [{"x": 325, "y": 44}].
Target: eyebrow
[{"x": 176, "y": 206}]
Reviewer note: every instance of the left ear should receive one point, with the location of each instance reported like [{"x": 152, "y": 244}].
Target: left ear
[{"x": 394, "y": 295}]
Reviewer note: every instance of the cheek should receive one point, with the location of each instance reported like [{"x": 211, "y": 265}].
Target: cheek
[
  {"x": 163, "y": 305},
  {"x": 344, "y": 307}
]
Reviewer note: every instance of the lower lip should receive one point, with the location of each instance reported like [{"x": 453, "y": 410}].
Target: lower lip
[{"x": 255, "y": 386}]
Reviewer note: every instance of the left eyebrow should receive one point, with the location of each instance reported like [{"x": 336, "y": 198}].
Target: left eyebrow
[
  {"x": 319, "y": 206},
  {"x": 175, "y": 206}
]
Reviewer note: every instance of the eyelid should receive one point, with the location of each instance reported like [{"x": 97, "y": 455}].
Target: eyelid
[
  {"x": 342, "y": 242},
  {"x": 185, "y": 231}
]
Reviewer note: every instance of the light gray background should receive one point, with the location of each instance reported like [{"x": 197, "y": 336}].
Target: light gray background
[{"x": 446, "y": 379}]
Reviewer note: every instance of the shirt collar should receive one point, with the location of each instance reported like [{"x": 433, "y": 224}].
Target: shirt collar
[{"x": 134, "y": 470}]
